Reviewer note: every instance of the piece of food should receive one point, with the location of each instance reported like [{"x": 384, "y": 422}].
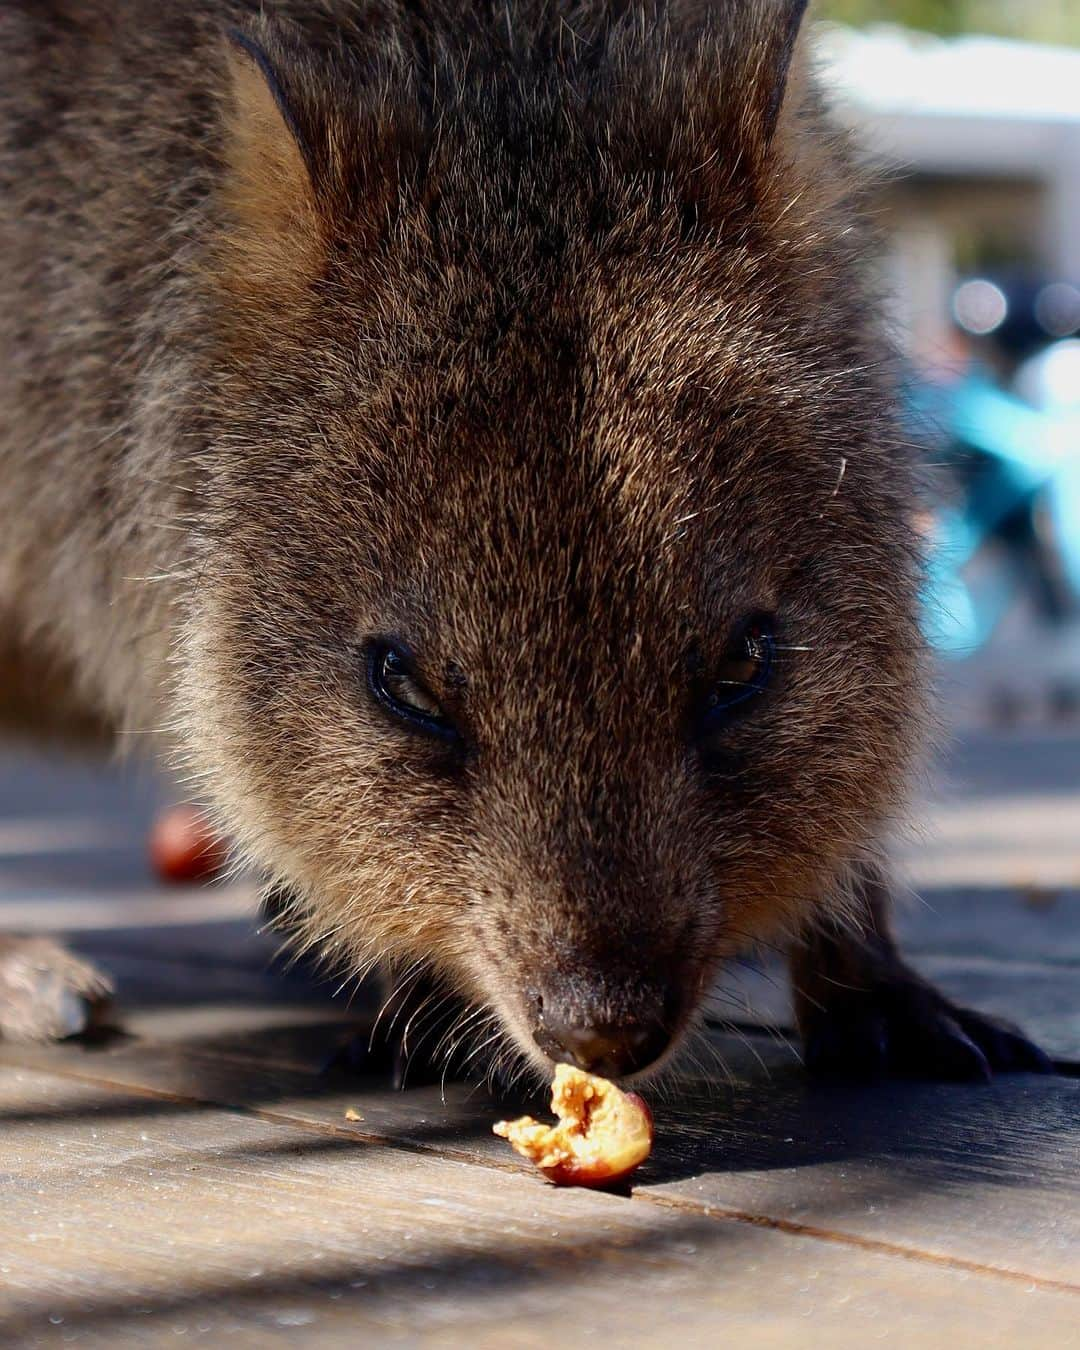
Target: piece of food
[
  {"x": 602, "y": 1133},
  {"x": 184, "y": 848}
]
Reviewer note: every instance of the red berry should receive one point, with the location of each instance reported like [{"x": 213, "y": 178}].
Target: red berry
[{"x": 183, "y": 848}]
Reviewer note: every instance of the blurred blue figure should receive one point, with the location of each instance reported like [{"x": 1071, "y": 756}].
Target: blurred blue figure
[{"x": 1012, "y": 424}]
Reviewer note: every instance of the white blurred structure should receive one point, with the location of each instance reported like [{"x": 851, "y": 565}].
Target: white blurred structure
[{"x": 986, "y": 135}]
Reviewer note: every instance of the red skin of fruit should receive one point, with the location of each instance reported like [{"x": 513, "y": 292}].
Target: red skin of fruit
[
  {"x": 183, "y": 848},
  {"x": 574, "y": 1173}
]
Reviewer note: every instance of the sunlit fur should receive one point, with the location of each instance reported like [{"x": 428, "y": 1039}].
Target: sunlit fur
[{"x": 517, "y": 334}]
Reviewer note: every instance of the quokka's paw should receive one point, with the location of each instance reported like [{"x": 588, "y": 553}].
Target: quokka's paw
[
  {"x": 902, "y": 1027},
  {"x": 47, "y": 993}
]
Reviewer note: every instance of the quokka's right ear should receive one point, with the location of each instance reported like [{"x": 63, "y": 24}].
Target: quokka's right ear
[
  {"x": 272, "y": 240},
  {"x": 775, "y": 34}
]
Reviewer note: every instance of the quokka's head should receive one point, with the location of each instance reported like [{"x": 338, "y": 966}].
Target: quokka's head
[{"x": 555, "y": 624}]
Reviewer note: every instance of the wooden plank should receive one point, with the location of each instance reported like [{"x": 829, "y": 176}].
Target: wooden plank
[
  {"x": 38, "y": 782},
  {"x": 119, "y": 1231},
  {"x": 753, "y": 992},
  {"x": 245, "y": 1009},
  {"x": 988, "y": 764},
  {"x": 1032, "y": 925},
  {"x": 1016, "y": 840},
  {"x": 993, "y": 950},
  {"x": 916, "y": 1165},
  {"x": 986, "y": 1173},
  {"x": 1034, "y": 987},
  {"x": 121, "y": 918},
  {"x": 896, "y": 1143},
  {"x": 217, "y": 1017}
]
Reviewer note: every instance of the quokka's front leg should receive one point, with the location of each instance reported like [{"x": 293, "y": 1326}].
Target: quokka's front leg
[{"x": 864, "y": 1013}]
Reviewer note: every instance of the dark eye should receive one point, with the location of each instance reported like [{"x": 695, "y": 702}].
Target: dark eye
[
  {"x": 394, "y": 683},
  {"x": 744, "y": 674}
]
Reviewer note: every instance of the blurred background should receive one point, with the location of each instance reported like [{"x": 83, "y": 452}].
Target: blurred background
[{"x": 971, "y": 111}]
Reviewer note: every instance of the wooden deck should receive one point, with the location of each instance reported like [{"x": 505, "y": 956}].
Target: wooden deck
[{"x": 198, "y": 1180}]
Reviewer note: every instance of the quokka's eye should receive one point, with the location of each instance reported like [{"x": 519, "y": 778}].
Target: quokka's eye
[
  {"x": 394, "y": 684},
  {"x": 744, "y": 674}
]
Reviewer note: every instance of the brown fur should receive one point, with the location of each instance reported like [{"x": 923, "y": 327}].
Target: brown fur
[{"x": 524, "y": 334}]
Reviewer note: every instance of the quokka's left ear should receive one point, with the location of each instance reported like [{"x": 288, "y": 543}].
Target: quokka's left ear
[{"x": 272, "y": 236}]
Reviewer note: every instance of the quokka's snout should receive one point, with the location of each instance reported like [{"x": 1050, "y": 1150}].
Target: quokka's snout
[{"x": 615, "y": 1032}]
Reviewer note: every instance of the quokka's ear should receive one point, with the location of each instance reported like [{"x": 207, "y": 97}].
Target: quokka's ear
[
  {"x": 272, "y": 239},
  {"x": 772, "y": 37},
  {"x": 724, "y": 98}
]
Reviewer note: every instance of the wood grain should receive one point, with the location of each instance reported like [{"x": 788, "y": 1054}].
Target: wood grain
[{"x": 124, "y": 1230}]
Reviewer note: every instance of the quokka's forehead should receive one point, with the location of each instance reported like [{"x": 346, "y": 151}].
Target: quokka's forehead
[
  {"x": 556, "y": 472},
  {"x": 644, "y": 398},
  {"x": 508, "y": 562},
  {"x": 652, "y": 486}
]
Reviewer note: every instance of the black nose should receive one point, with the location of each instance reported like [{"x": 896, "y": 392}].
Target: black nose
[{"x": 611, "y": 1050}]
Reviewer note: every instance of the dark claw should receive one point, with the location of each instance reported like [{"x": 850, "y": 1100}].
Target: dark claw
[
  {"x": 1006, "y": 1046},
  {"x": 904, "y": 1027},
  {"x": 936, "y": 1046}
]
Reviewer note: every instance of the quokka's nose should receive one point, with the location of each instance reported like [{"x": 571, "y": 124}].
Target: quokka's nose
[{"x": 611, "y": 1050}]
